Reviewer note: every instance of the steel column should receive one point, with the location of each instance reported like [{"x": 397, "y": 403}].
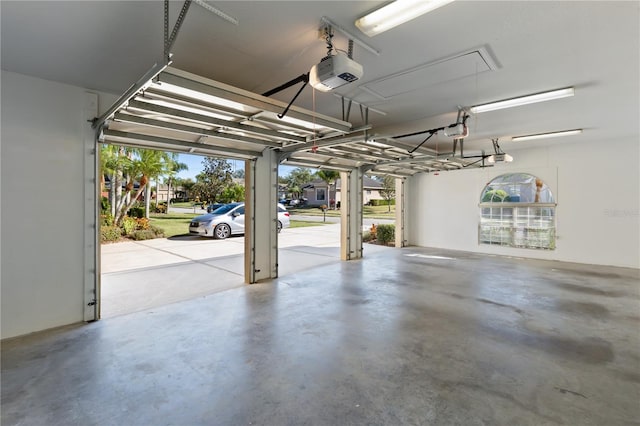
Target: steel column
[
  {"x": 261, "y": 234},
  {"x": 401, "y": 213},
  {"x": 351, "y": 215},
  {"x": 91, "y": 185}
]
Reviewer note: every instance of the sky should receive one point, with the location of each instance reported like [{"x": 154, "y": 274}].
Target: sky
[{"x": 194, "y": 162}]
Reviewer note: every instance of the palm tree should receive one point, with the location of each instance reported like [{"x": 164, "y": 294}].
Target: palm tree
[
  {"x": 116, "y": 162},
  {"x": 175, "y": 167},
  {"x": 147, "y": 164},
  {"x": 330, "y": 177}
]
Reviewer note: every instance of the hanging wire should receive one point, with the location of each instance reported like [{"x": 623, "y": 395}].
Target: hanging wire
[
  {"x": 314, "y": 148},
  {"x": 328, "y": 36}
]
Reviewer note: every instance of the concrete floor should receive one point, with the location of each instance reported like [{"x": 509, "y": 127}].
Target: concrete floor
[
  {"x": 143, "y": 275},
  {"x": 408, "y": 336}
]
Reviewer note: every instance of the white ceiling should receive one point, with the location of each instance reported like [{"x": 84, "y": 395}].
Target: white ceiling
[{"x": 537, "y": 46}]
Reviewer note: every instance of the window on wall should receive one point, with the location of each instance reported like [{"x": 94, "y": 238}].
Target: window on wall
[
  {"x": 320, "y": 194},
  {"x": 518, "y": 210}
]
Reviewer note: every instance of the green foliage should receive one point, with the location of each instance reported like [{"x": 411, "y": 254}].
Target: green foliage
[
  {"x": 214, "y": 179},
  {"x": 367, "y": 237},
  {"x": 296, "y": 179},
  {"x": 496, "y": 196},
  {"x": 136, "y": 212},
  {"x": 106, "y": 219},
  {"x": 129, "y": 224},
  {"x": 385, "y": 233},
  {"x": 110, "y": 233},
  {"x": 143, "y": 234},
  {"x": 382, "y": 202},
  {"x": 329, "y": 176},
  {"x": 159, "y": 232},
  {"x": 388, "y": 190},
  {"x": 105, "y": 207},
  {"x": 160, "y": 207},
  {"x": 233, "y": 193}
]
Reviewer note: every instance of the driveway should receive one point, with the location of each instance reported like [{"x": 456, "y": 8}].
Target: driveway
[{"x": 141, "y": 275}]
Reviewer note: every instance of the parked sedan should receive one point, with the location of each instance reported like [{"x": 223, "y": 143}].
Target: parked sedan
[
  {"x": 212, "y": 207},
  {"x": 229, "y": 220}
]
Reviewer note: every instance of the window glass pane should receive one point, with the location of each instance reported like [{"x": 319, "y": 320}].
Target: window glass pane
[
  {"x": 516, "y": 188},
  {"x": 524, "y": 226},
  {"x": 320, "y": 195}
]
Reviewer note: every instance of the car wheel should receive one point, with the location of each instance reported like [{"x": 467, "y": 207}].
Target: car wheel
[
  {"x": 221, "y": 231},
  {"x": 279, "y": 226}
]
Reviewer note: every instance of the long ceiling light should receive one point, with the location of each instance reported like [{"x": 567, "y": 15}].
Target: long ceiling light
[
  {"x": 396, "y": 13},
  {"x": 546, "y": 135},
  {"x": 524, "y": 100}
]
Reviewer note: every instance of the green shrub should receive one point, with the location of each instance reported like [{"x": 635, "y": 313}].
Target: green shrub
[
  {"x": 160, "y": 207},
  {"x": 136, "y": 212},
  {"x": 129, "y": 224},
  {"x": 367, "y": 237},
  {"x": 105, "y": 207},
  {"x": 110, "y": 233},
  {"x": 143, "y": 234},
  {"x": 106, "y": 219},
  {"x": 159, "y": 232},
  {"x": 386, "y": 233},
  {"x": 496, "y": 196}
]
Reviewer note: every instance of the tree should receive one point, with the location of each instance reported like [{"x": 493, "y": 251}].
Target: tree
[
  {"x": 296, "y": 179},
  {"x": 388, "y": 190},
  {"x": 214, "y": 179},
  {"x": 330, "y": 177},
  {"x": 232, "y": 193},
  {"x": 147, "y": 164},
  {"x": 174, "y": 168},
  {"x": 116, "y": 162}
]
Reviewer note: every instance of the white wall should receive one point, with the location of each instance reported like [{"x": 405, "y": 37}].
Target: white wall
[
  {"x": 596, "y": 186},
  {"x": 42, "y": 188}
]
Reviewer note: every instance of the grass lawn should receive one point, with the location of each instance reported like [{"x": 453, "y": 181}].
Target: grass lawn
[
  {"x": 173, "y": 223},
  {"x": 302, "y": 224},
  {"x": 372, "y": 212},
  {"x": 178, "y": 223}
]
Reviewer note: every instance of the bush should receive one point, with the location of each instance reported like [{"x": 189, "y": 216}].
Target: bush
[
  {"x": 160, "y": 207},
  {"x": 106, "y": 219},
  {"x": 159, "y": 232},
  {"x": 367, "y": 237},
  {"x": 105, "y": 207},
  {"x": 110, "y": 233},
  {"x": 143, "y": 234},
  {"x": 136, "y": 212},
  {"x": 180, "y": 200},
  {"x": 382, "y": 202},
  {"x": 386, "y": 233},
  {"x": 129, "y": 224},
  {"x": 142, "y": 223}
]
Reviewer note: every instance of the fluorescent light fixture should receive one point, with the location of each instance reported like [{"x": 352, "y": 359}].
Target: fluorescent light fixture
[
  {"x": 396, "y": 13},
  {"x": 182, "y": 91},
  {"x": 524, "y": 100},
  {"x": 499, "y": 158},
  {"x": 546, "y": 135}
]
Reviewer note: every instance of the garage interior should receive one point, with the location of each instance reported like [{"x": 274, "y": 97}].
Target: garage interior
[{"x": 443, "y": 329}]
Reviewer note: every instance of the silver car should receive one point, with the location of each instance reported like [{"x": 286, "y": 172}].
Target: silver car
[{"x": 229, "y": 220}]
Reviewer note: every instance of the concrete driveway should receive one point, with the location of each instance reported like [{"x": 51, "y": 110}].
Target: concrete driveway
[{"x": 142, "y": 275}]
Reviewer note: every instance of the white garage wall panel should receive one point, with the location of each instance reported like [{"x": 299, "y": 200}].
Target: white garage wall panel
[
  {"x": 596, "y": 186},
  {"x": 42, "y": 204}
]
